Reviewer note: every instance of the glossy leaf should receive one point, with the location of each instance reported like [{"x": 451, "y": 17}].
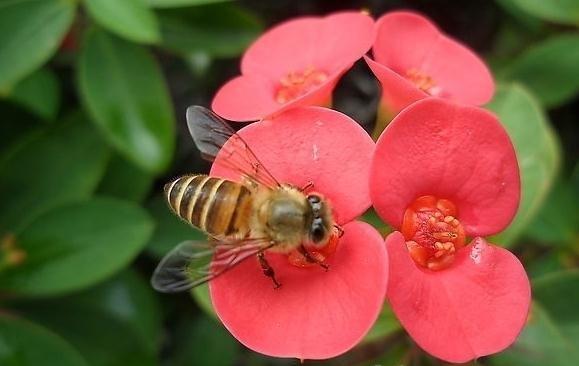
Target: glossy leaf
[
  {"x": 551, "y": 336},
  {"x": 101, "y": 338},
  {"x": 77, "y": 245},
  {"x": 203, "y": 299},
  {"x": 123, "y": 179},
  {"x": 546, "y": 263},
  {"x": 54, "y": 167},
  {"x": 130, "y": 19},
  {"x": 219, "y": 30},
  {"x": 559, "y": 11},
  {"x": 373, "y": 219},
  {"x": 123, "y": 88},
  {"x": 39, "y": 92},
  {"x": 180, "y": 3},
  {"x": 385, "y": 325},
  {"x": 396, "y": 354},
  {"x": 17, "y": 123},
  {"x": 537, "y": 149},
  {"x": 130, "y": 299},
  {"x": 558, "y": 221},
  {"x": 204, "y": 342},
  {"x": 26, "y": 344},
  {"x": 30, "y": 33},
  {"x": 126, "y": 300},
  {"x": 169, "y": 229},
  {"x": 549, "y": 69}
]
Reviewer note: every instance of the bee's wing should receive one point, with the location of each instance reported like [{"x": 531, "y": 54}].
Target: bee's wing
[
  {"x": 210, "y": 134},
  {"x": 192, "y": 263}
]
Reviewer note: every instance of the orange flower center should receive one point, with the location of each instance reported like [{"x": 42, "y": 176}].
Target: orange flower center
[
  {"x": 296, "y": 84},
  {"x": 319, "y": 255},
  {"x": 423, "y": 81},
  {"x": 433, "y": 233}
]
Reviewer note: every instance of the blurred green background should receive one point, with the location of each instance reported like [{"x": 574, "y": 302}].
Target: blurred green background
[{"x": 92, "y": 102}]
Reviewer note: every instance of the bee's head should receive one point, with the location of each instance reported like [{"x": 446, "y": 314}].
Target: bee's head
[{"x": 320, "y": 225}]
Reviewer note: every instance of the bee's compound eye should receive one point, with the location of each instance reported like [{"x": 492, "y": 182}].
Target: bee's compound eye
[
  {"x": 314, "y": 198},
  {"x": 317, "y": 233}
]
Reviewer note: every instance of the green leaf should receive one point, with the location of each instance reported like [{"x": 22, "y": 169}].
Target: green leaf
[
  {"x": 130, "y": 299},
  {"x": 385, "y": 325},
  {"x": 537, "y": 151},
  {"x": 558, "y": 221},
  {"x": 123, "y": 88},
  {"x": 100, "y": 336},
  {"x": 545, "y": 263},
  {"x": 54, "y": 167},
  {"x": 549, "y": 69},
  {"x": 17, "y": 123},
  {"x": 551, "y": 336},
  {"x": 213, "y": 345},
  {"x": 126, "y": 299},
  {"x": 39, "y": 92},
  {"x": 180, "y": 3},
  {"x": 30, "y": 33},
  {"x": 219, "y": 30},
  {"x": 25, "y": 344},
  {"x": 557, "y": 11},
  {"x": 526, "y": 20},
  {"x": 125, "y": 180},
  {"x": 130, "y": 19},
  {"x": 77, "y": 245},
  {"x": 372, "y": 218},
  {"x": 203, "y": 299},
  {"x": 396, "y": 355},
  {"x": 169, "y": 229}
]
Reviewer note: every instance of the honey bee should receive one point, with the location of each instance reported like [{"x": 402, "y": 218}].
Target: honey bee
[{"x": 242, "y": 219}]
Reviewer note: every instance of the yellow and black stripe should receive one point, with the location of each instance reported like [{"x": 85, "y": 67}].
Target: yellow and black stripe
[{"x": 217, "y": 206}]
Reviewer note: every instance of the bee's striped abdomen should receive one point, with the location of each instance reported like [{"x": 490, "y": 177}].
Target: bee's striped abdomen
[{"x": 217, "y": 206}]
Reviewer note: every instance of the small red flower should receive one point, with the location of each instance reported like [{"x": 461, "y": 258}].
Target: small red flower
[
  {"x": 296, "y": 63},
  {"x": 316, "y": 314},
  {"x": 414, "y": 60},
  {"x": 443, "y": 172}
]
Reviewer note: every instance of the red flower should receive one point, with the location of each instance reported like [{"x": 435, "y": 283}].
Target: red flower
[
  {"x": 296, "y": 63},
  {"x": 414, "y": 60},
  {"x": 442, "y": 172},
  {"x": 316, "y": 314}
]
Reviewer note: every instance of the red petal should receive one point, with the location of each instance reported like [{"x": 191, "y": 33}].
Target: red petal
[
  {"x": 314, "y": 144},
  {"x": 407, "y": 40},
  {"x": 330, "y": 44},
  {"x": 315, "y": 314},
  {"x": 460, "y": 153},
  {"x": 476, "y": 307},
  {"x": 251, "y": 98},
  {"x": 245, "y": 98},
  {"x": 403, "y": 40},
  {"x": 397, "y": 92}
]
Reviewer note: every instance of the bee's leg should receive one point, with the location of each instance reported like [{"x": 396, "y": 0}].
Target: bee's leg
[
  {"x": 267, "y": 269},
  {"x": 340, "y": 230},
  {"x": 309, "y": 185},
  {"x": 303, "y": 251}
]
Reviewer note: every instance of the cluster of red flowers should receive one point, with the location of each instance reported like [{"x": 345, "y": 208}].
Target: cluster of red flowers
[{"x": 443, "y": 173}]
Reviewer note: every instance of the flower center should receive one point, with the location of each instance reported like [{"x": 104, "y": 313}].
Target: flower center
[
  {"x": 433, "y": 233},
  {"x": 423, "y": 81},
  {"x": 317, "y": 255},
  {"x": 296, "y": 84}
]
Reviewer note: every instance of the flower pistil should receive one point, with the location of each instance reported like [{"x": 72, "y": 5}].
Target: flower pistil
[
  {"x": 433, "y": 233},
  {"x": 298, "y": 83},
  {"x": 423, "y": 81}
]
